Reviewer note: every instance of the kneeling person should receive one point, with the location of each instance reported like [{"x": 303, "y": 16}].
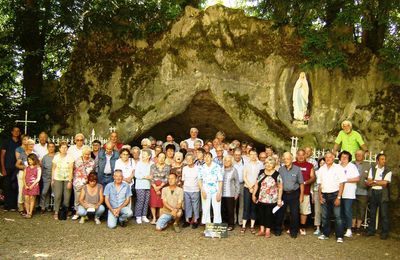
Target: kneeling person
[
  {"x": 118, "y": 196},
  {"x": 172, "y": 197},
  {"x": 91, "y": 199}
]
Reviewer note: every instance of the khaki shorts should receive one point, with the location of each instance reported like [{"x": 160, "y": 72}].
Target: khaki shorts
[{"x": 305, "y": 206}]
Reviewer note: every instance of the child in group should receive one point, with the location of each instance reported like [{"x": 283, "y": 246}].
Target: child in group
[{"x": 31, "y": 178}]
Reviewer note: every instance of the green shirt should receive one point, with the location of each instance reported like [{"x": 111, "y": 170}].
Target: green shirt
[{"x": 349, "y": 142}]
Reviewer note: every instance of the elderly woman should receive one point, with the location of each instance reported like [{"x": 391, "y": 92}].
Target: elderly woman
[
  {"x": 76, "y": 150},
  {"x": 126, "y": 165},
  {"x": 21, "y": 164},
  {"x": 82, "y": 167},
  {"x": 268, "y": 194},
  {"x": 159, "y": 173},
  {"x": 184, "y": 145},
  {"x": 61, "y": 177},
  {"x": 230, "y": 192},
  {"x": 146, "y": 144},
  {"x": 91, "y": 199},
  {"x": 349, "y": 190},
  {"x": 210, "y": 182},
  {"x": 176, "y": 167},
  {"x": 143, "y": 180}
]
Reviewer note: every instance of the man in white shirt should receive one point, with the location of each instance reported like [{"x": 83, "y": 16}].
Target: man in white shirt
[
  {"x": 41, "y": 148},
  {"x": 331, "y": 179},
  {"x": 194, "y": 132},
  {"x": 379, "y": 178}
]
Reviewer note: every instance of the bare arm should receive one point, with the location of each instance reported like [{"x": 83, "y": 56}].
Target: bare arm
[
  {"x": 23, "y": 178},
  {"x": 2, "y": 159},
  {"x": 335, "y": 148},
  {"x": 312, "y": 177},
  {"x": 101, "y": 197},
  {"x": 364, "y": 147},
  {"x": 39, "y": 175},
  {"x": 82, "y": 199}
]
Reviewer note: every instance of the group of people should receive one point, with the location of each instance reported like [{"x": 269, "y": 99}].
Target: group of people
[{"x": 197, "y": 182}]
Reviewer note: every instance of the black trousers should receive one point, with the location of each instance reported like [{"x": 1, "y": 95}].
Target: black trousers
[
  {"x": 10, "y": 189},
  {"x": 265, "y": 216},
  {"x": 290, "y": 200},
  {"x": 228, "y": 210}
]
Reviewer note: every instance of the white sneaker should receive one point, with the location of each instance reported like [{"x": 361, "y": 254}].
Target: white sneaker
[
  {"x": 317, "y": 232},
  {"x": 323, "y": 237},
  {"x": 139, "y": 220},
  {"x": 339, "y": 240},
  {"x": 82, "y": 220},
  {"x": 75, "y": 217},
  {"x": 302, "y": 232},
  {"x": 97, "y": 221},
  {"x": 145, "y": 219},
  {"x": 348, "y": 233}
]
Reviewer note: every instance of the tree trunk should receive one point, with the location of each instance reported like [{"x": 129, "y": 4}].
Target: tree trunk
[
  {"x": 32, "y": 43},
  {"x": 375, "y": 23}
]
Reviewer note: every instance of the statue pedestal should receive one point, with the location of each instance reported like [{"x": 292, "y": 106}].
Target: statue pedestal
[{"x": 299, "y": 124}]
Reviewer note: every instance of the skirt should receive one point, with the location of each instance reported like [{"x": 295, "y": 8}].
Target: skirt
[{"x": 155, "y": 200}]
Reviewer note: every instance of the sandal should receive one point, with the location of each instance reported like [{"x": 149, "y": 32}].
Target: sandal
[
  {"x": 55, "y": 216},
  {"x": 253, "y": 231},
  {"x": 243, "y": 230},
  {"x": 230, "y": 228},
  {"x": 28, "y": 216},
  {"x": 22, "y": 213}
]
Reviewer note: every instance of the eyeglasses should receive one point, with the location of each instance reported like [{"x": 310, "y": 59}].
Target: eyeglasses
[
  {"x": 124, "y": 153},
  {"x": 79, "y": 140}
]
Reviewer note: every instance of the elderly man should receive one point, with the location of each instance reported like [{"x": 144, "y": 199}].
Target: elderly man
[
  {"x": 238, "y": 163},
  {"x": 118, "y": 197},
  {"x": 41, "y": 148},
  {"x": 105, "y": 164},
  {"x": 113, "y": 138},
  {"x": 361, "y": 202},
  {"x": 349, "y": 140},
  {"x": 194, "y": 132},
  {"x": 331, "y": 179},
  {"x": 379, "y": 178},
  {"x": 293, "y": 194},
  {"x": 307, "y": 170},
  {"x": 172, "y": 197},
  {"x": 75, "y": 151}
]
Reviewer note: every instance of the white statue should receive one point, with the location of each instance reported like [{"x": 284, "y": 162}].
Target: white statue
[{"x": 300, "y": 97}]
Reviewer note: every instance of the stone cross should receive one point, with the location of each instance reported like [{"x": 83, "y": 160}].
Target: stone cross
[
  {"x": 112, "y": 129},
  {"x": 26, "y": 122}
]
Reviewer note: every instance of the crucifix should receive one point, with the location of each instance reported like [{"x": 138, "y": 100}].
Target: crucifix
[
  {"x": 26, "y": 121},
  {"x": 112, "y": 129}
]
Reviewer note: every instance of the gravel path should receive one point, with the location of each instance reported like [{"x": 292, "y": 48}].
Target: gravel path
[{"x": 42, "y": 237}]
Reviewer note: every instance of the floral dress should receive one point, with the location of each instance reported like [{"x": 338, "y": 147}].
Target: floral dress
[{"x": 268, "y": 188}]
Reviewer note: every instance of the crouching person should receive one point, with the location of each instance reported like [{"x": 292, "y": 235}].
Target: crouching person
[
  {"x": 118, "y": 196},
  {"x": 172, "y": 197},
  {"x": 91, "y": 199}
]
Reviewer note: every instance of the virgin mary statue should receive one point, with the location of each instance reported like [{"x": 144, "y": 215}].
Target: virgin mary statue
[{"x": 300, "y": 97}]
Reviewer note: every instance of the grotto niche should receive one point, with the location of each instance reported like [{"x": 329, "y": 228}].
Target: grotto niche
[{"x": 204, "y": 113}]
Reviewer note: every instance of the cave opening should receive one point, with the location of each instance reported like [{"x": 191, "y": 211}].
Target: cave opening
[{"x": 205, "y": 114}]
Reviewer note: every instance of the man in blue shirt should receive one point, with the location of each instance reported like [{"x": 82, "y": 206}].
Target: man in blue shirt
[
  {"x": 8, "y": 169},
  {"x": 117, "y": 197}
]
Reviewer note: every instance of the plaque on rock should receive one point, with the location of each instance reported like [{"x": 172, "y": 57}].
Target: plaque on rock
[{"x": 216, "y": 230}]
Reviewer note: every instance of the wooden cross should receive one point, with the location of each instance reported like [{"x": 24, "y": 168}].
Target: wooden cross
[
  {"x": 26, "y": 121},
  {"x": 112, "y": 129}
]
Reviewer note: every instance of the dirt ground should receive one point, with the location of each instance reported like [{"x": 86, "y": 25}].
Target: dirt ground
[{"x": 42, "y": 237}]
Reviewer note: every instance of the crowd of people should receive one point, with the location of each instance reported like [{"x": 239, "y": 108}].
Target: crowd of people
[{"x": 197, "y": 182}]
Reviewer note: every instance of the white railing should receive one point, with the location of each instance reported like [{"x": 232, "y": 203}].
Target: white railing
[
  {"x": 70, "y": 140},
  {"x": 319, "y": 153}
]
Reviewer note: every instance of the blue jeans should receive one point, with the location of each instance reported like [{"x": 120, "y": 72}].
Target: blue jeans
[
  {"x": 291, "y": 200},
  {"x": 192, "y": 205},
  {"x": 83, "y": 212},
  {"x": 327, "y": 208},
  {"x": 249, "y": 208},
  {"x": 107, "y": 179},
  {"x": 347, "y": 212},
  {"x": 163, "y": 221},
  {"x": 124, "y": 214},
  {"x": 375, "y": 201}
]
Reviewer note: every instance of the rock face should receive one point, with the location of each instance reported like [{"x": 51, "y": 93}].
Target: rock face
[{"x": 222, "y": 70}]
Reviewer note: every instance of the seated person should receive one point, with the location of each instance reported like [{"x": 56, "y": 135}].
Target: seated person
[
  {"x": 91, "y": 199},
  {"x": 118, "y": 197},
  {"x": 172, "y": 197}
]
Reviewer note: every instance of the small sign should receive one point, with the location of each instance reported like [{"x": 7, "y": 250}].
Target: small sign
[{"x": 216, "y": 230}]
